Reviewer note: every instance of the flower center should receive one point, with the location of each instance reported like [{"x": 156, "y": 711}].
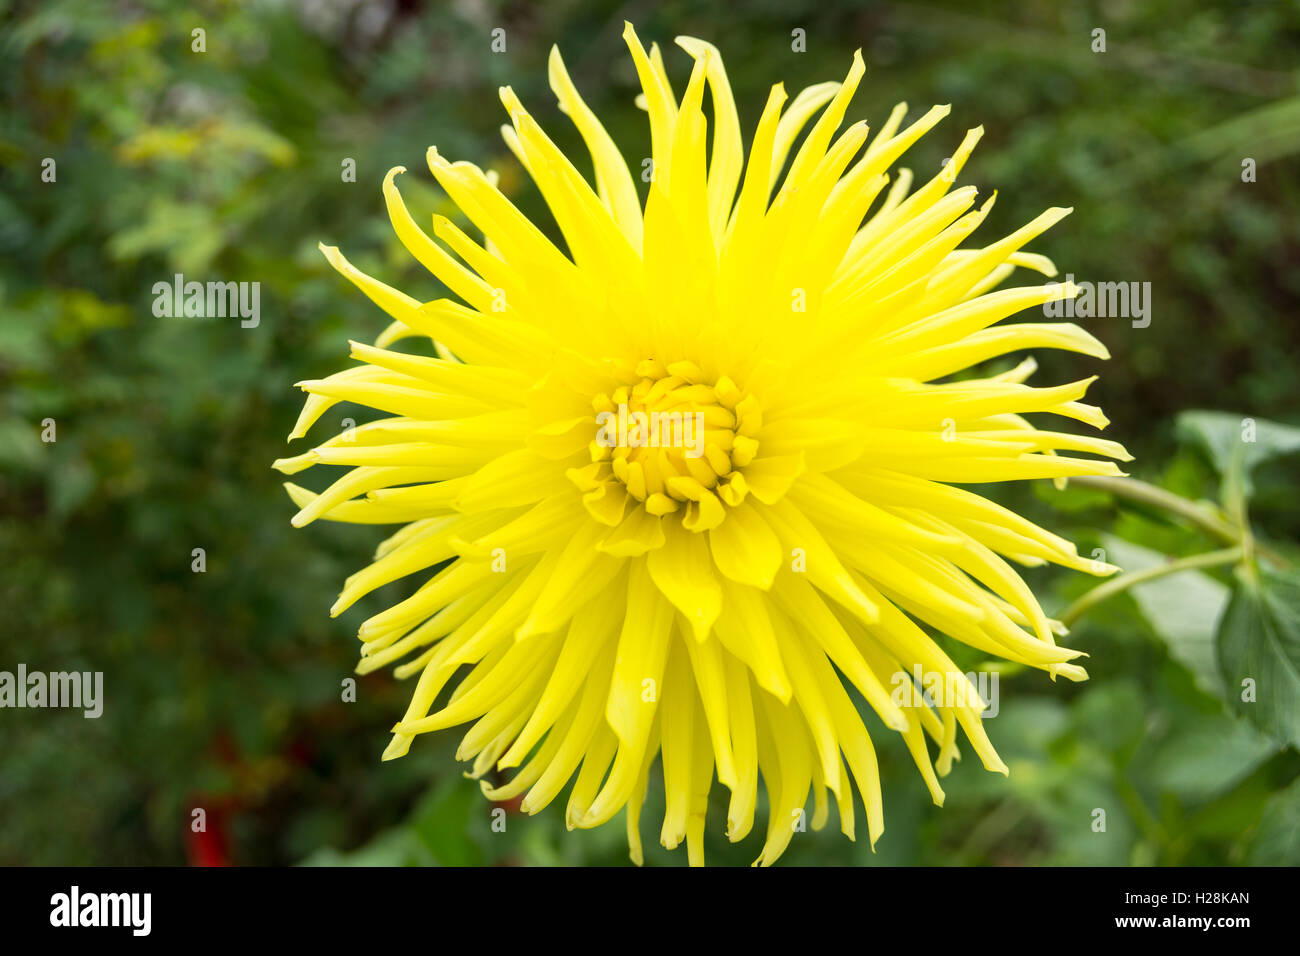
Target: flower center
[{"x": 673, "y": 440}]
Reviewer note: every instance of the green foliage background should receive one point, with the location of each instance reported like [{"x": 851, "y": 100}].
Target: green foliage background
[{"x": 223, "y": 688}]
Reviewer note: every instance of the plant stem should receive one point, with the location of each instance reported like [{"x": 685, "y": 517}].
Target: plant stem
[
  {"x": 1205, "y": 517},
  {"x": 1148, "y": 494},
  {"x": 1125, "y": 581}
]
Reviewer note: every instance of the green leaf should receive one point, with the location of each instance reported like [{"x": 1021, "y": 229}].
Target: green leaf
[
  {"x": 1277, "y": 841},
  {"x": 441, "y": 822},
  {"x": 1182, "y": 609},
  {"x": 1225, "y": 435},
  {"x": 1204, "y": 756},
  {"x": 1259, "y": 642},
  {"x": 399, "y": 846}
]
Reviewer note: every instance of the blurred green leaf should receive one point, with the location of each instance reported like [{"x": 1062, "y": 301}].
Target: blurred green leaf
[
  {"x": 1182, "y": 608},
  {"x": 1277, "y": 838},
  {"x": 442, "y": 822},
  {"x": 1272, "y": 130},
  {"x": 1259, "y": 641},
  {"x": 1225, "y": 434},
  {"x": 399, "y": 846},
  {"x": 1204, "y": 756}
]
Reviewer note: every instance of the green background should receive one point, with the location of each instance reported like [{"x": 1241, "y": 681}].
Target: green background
[{"x": 223, "y": 688}]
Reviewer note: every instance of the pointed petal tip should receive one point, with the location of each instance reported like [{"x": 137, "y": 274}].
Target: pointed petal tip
[
  {"x": 398, "y": 746},
  {"x": 781, "y": 692},
  {"x": 435, "y": 159}
]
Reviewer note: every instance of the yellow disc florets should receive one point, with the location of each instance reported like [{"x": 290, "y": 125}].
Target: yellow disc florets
[{"x": 672, "y": 439}]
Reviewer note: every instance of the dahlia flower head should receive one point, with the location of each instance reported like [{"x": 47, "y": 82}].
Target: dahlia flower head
[{"x": 690, "y": 486}]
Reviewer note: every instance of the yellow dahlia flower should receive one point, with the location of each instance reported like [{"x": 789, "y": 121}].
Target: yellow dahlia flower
[{"x": 685, "y": 487}]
